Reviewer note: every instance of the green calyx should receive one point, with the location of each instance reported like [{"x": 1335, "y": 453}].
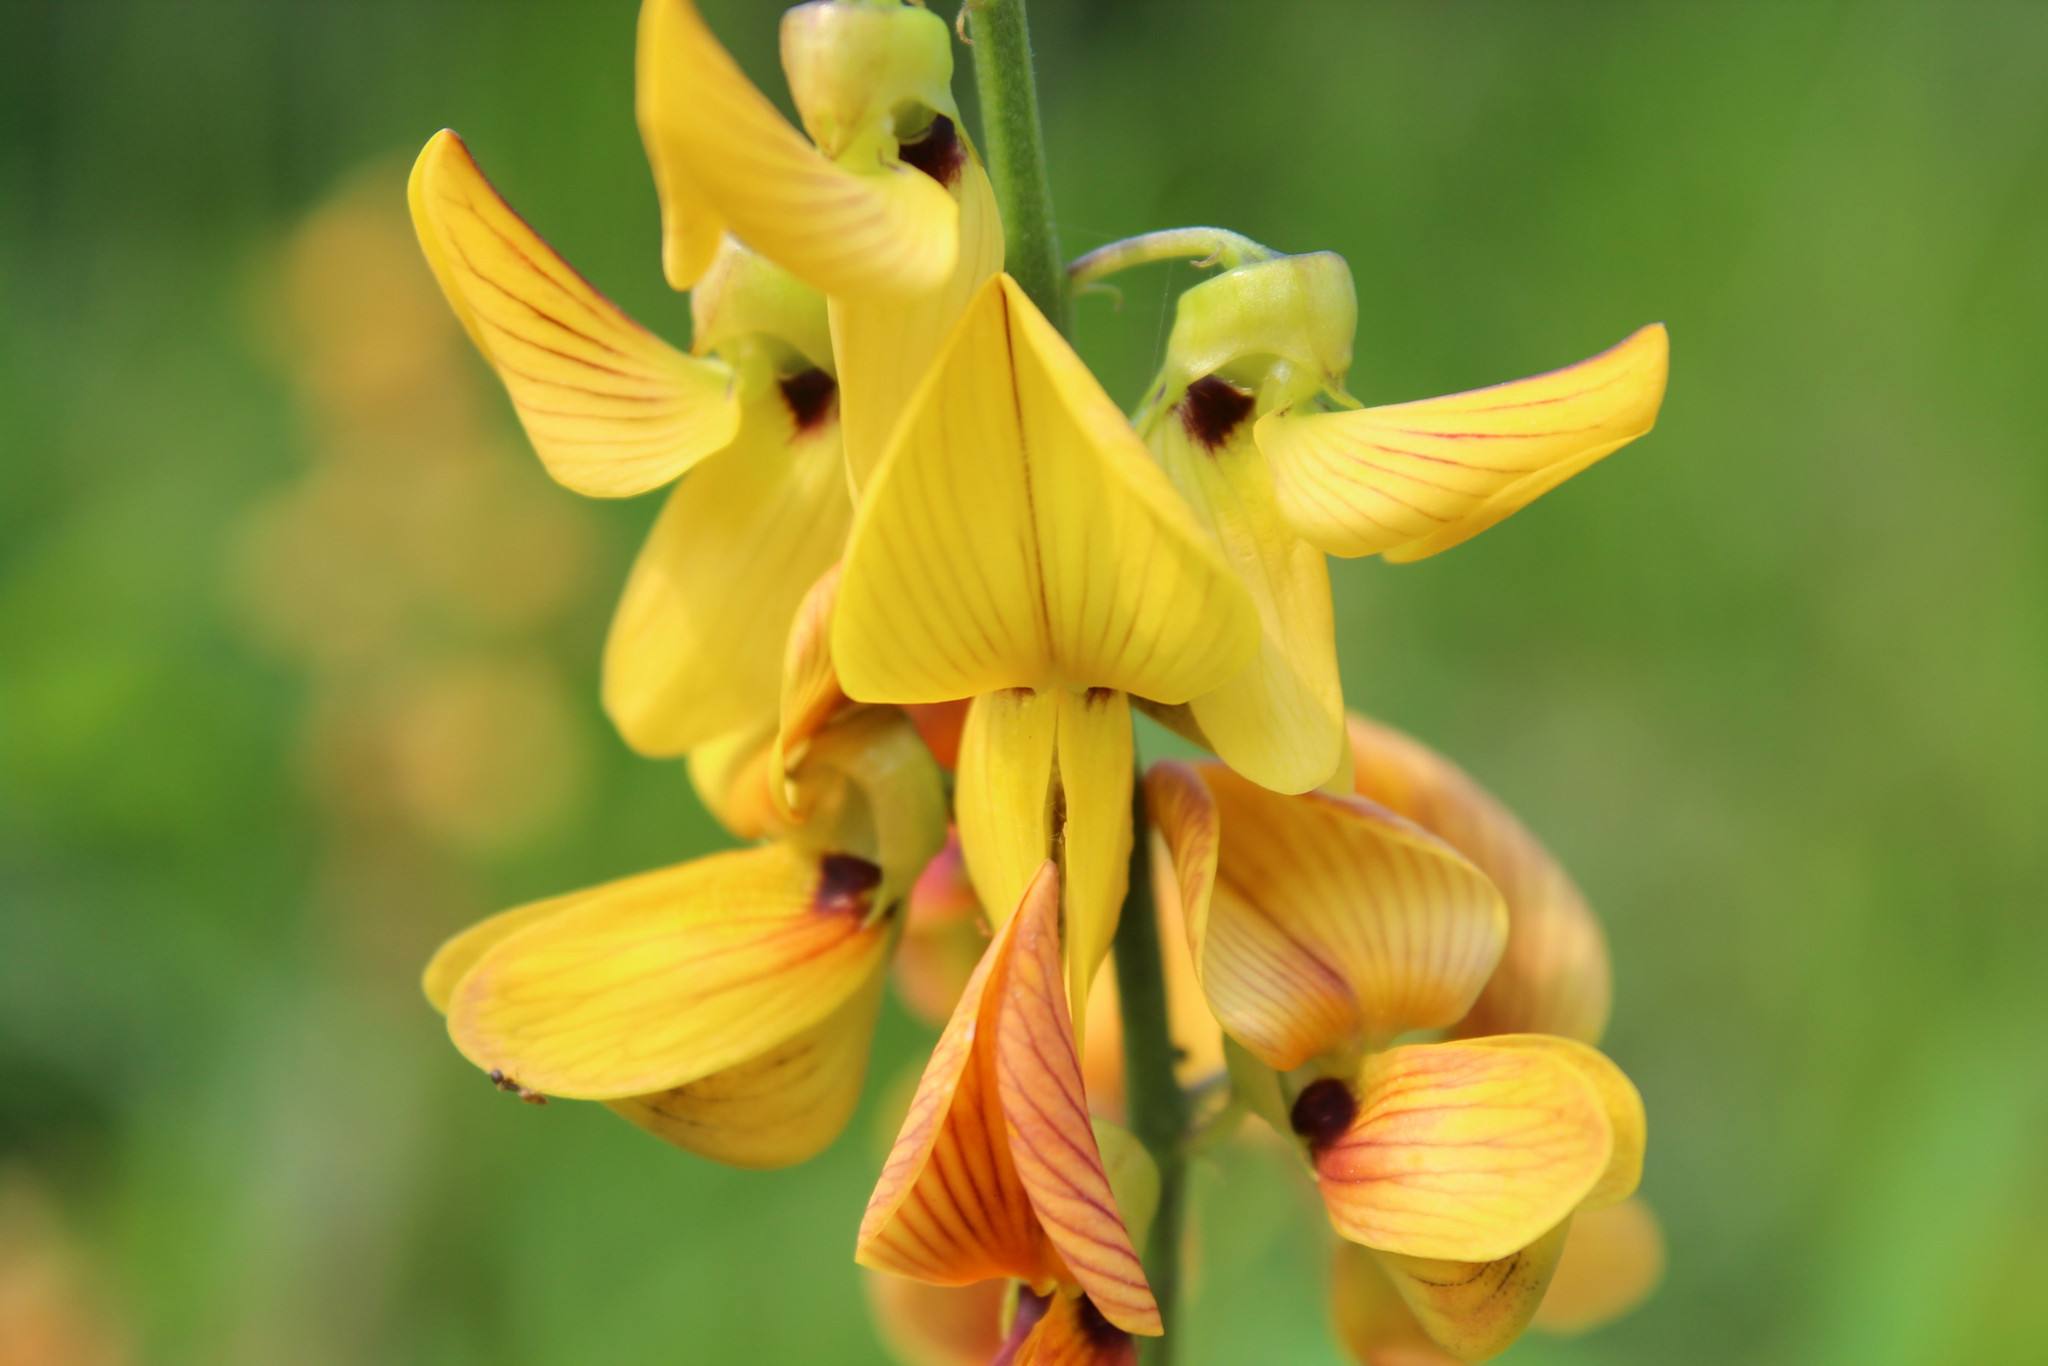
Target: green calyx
[{"x": 866, "y": 74}]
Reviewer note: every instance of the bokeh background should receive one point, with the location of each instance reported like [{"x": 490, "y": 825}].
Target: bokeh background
[{"x": 298, "y": 652}]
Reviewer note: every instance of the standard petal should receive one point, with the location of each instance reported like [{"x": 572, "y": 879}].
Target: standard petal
[
  {"x": 1018, "y": 534},
  {"x": 1554, "y": 977},
  {"x": 1280, "y": 721},
  {"x": 1411, "y": 479},
  {"x": 1613, "y": 1258},
  {"x": 1334, "y": 921},
  {"x": 656, "y": 981},
  {"x": 611, "y": 409},
  {"x": 777, "y": 1109},
  {"x": 996, "y": 1171},
  {"x": 1455, "y": 1151},
  {"x": 1623, "y": 1103},
  {"x": 724, "y": 156},
  {"x": 1095, "y": 762},
  {"x": 697, "y": 642},
  {"x": 1476, "y": 1310},
  {"x": 885, "y": 345}
]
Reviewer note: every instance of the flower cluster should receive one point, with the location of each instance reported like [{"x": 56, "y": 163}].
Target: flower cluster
[{"x": 915, "y": 573}]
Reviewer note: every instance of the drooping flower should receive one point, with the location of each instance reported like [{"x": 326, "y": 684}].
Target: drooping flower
[
  {"x": 1250, "y": 419},
  {"x": 997, "y": 1172},
  {"x": 725, "y": 1004},
  {"x": 747, "y": 420},
  {"x": 886, "y": 210},
  {"x": 1326, "y": 928},
  {"x": 1018, "y": 547}
]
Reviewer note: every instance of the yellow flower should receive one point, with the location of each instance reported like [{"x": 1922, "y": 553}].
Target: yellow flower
[
  {"x": 1017, "y": 546},
  {"x": 726, "y": 1004},
  {"x": 1326, "y": 928},
  {"x": 1250, "y": 419},
  {"x": 750, "y": 417},
  {"x": 887, "y": 212},
  {"x": 998, "y": 1172}
]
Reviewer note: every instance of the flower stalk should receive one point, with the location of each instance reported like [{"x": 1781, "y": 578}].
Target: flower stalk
[
  {"x": 1008, "y": 89},
  {"x": 1158, "y": 1108},
  {"x": 1205, "y": 247}
]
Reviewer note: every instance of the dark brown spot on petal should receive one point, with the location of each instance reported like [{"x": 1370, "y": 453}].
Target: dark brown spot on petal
[
  {"x": 937, "y": 152},
  {"x": 1103, "y": 1335},
  {"x": 1096, "y": 697},
  {"x": 845, "y": 884},
  {"x": 1323, "y": 1111},
  {"x": 1212, "y": 410},
  {"x": 811, "y": 395}
]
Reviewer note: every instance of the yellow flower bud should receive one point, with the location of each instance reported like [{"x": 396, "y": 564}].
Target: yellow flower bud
[
  {"x": 1281, "y": 328},
  {"x": 855, "y": 66}
]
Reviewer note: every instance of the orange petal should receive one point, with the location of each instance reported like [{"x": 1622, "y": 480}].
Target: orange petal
[
  {"x": 1455, "y": 1151},
  {"x": 937, "y": 1325},
  {"x": 944, "y": 933},
  {"x": 810, "y": 685},
  {"x": 611, "y": 409},
  {"x": 1623, "y": 1103},
  {"x": 655, "y": 981},
  {"x": 777, "y": 1109},
  {"x": 1476, "y": 1310},
  {"x": 1554, "y": 977},
  {"x": 996, "y": 1170},
  {"x": 1333, "y": 921},
  {"x": 1372, "y": 1321},
  {"x": 1412, "y": 479},
  {"x": 1065, "y": 1330},
  {"x": 1613, "y": 1259}
]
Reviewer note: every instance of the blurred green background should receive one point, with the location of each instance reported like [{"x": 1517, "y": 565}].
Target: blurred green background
[{"x": 298, "y": 651}]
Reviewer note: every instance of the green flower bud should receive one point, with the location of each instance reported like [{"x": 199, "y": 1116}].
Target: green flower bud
[{"x": 746, "y": 304}]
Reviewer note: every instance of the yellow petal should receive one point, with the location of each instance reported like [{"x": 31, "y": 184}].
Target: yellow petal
[
  {"x": 697, "y": 642},
  {"x": 1334, "y": 921},
  {"x": 1018, "y": 534},
  {"x": 1476, "y": 1310},
  {"x": 1613, "y": 1258},
  {"x": 457, "y": 956},
  {"x": 996, "y": 1171},
  {"x": 1554, "y": 977},
  {"x": 1455, "y": 1151},
  {"x": 734, "y": 778},
  {"x": 1003, "y": 793},
  {"x": 611, "y": 409},
  {"x": 779, "y": 1108},
  {"x": 1280, "y": 721},
  {"x": 810, "y": 685},
  {"x": 1373, "y": 1322},
  {"x": 1623, "y": 1103},
  {"x": 1068, "y": 1331},
  {"x": 1028, "y": 759},
  {"x": 1411, "y": 479},
  {"x": 658, "y": 980},
  {"x": 1095, "y": 771},
  {"x": 724, "y": 156},
  {"x": 886, "y": 345}
]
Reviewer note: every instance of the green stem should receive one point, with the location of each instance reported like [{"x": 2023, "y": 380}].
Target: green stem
[
  {"x": 1204, "y": 246},
  {"x": 1016, "y": 152},
  {"x": 1157, "y": 1108}
]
